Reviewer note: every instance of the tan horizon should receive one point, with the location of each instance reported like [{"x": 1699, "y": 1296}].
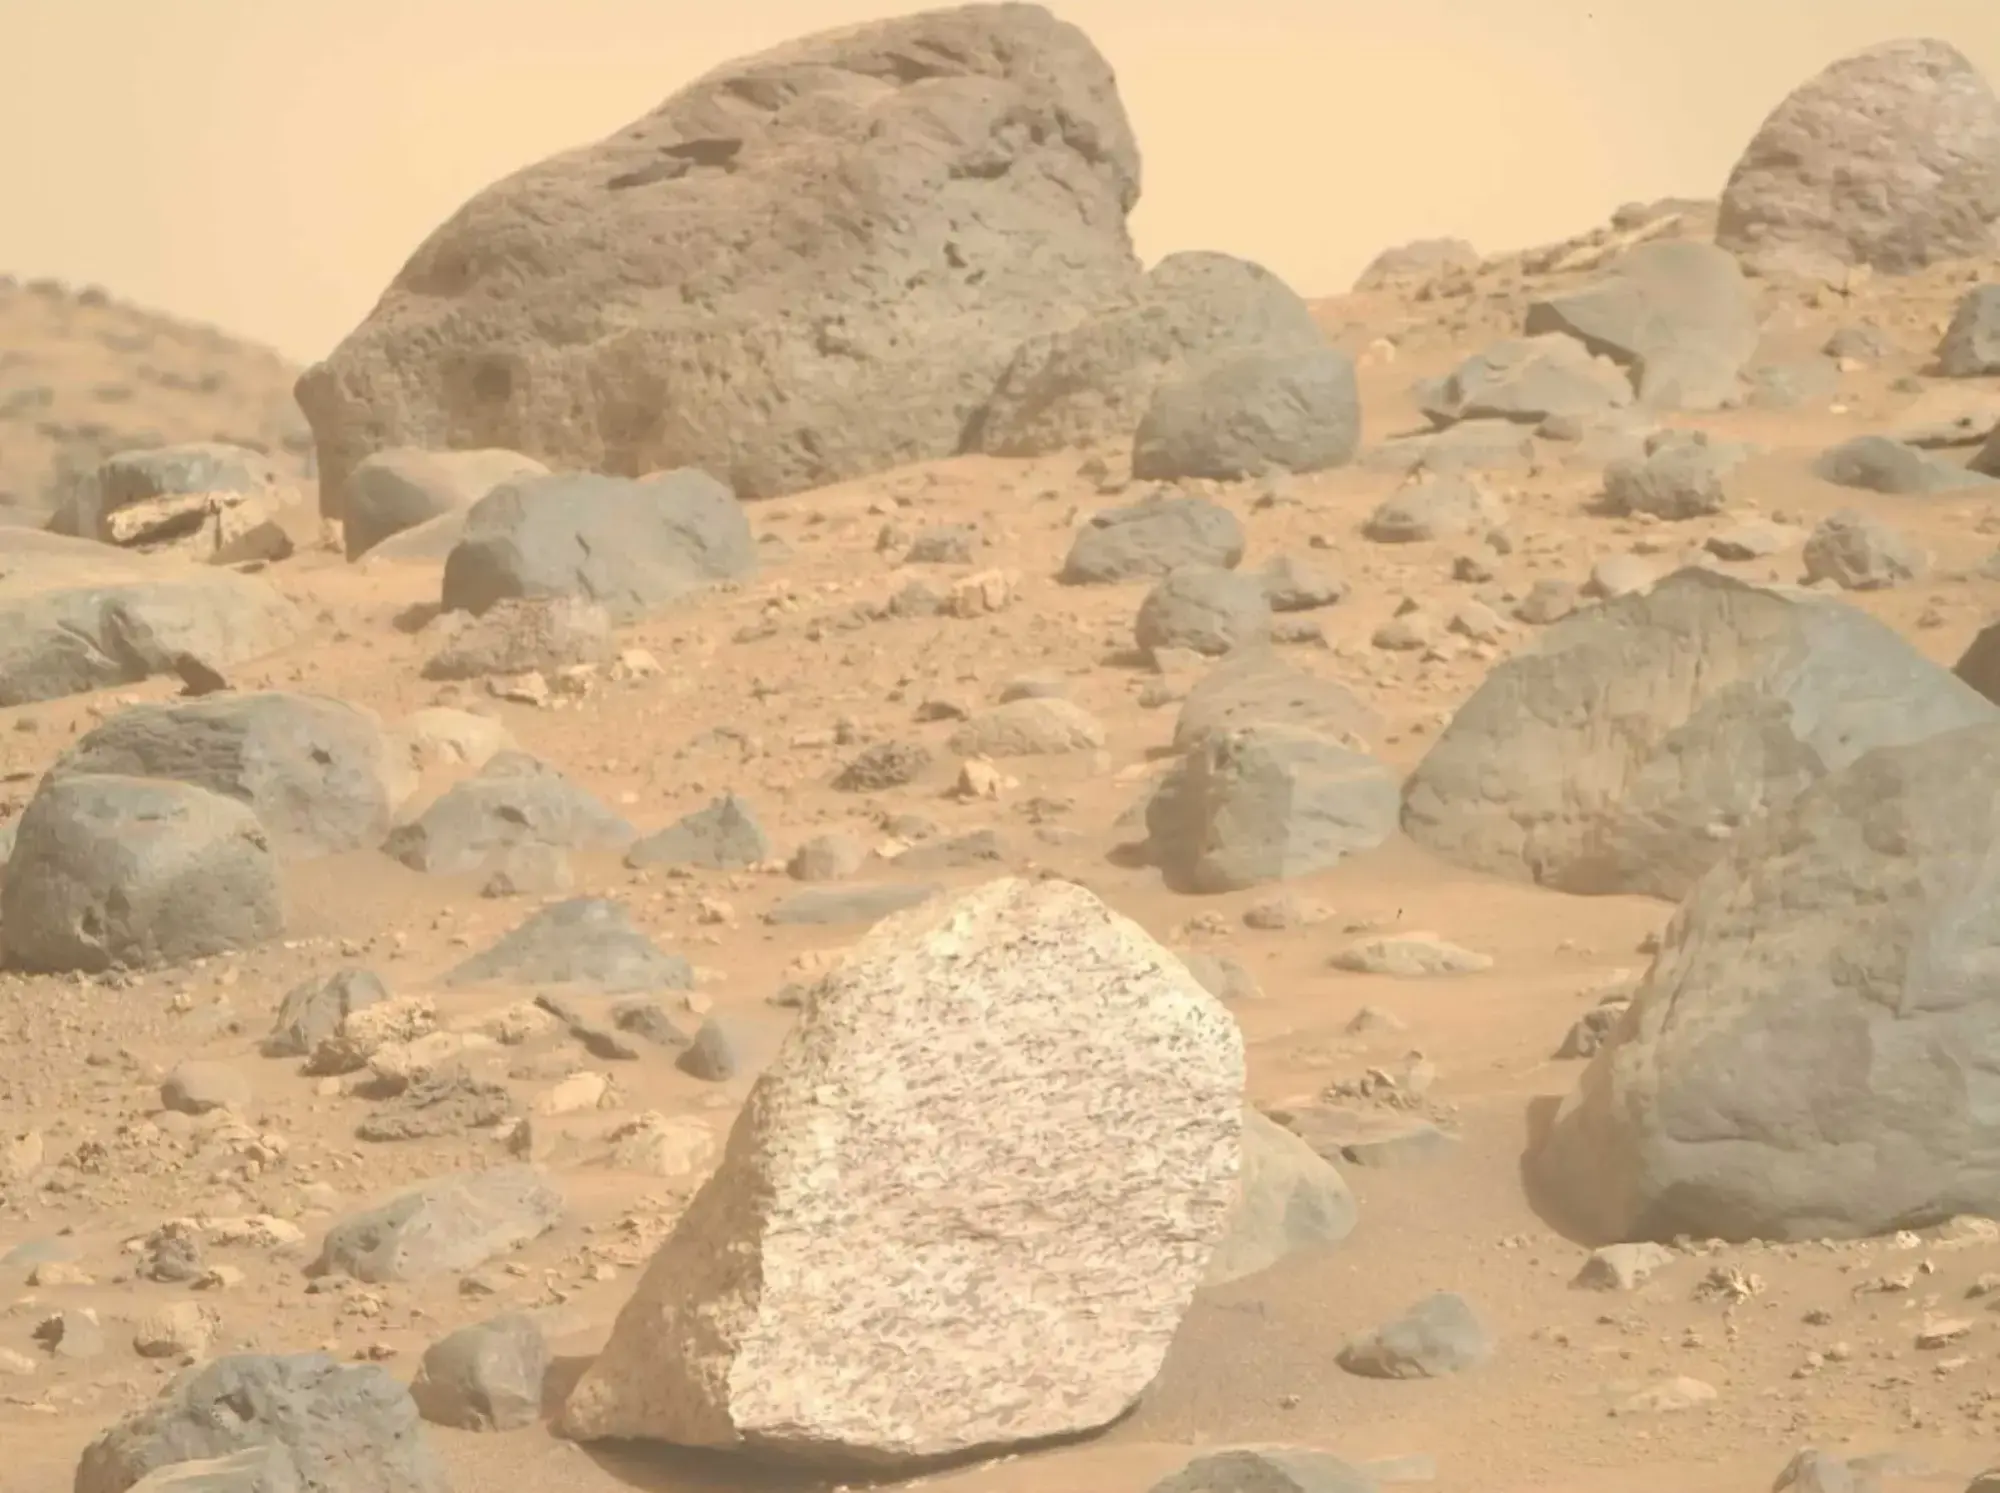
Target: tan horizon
[{"x": 268, "y": 169}]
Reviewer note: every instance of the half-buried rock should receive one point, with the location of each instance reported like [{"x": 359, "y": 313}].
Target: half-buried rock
[
  {"x": 135, "y": 871},
  {"x": 1266, "y": 803},
  {"x": 1620, "y": 753},
  {"x": 586, "y": 941},
  {"x": 515, "y": 800},
  {"x": 631, "y": 547},
  {"x": 965, "y": 1207},
  {"x": 1814, "y": 1052},
  {"x": 450, "y": 1223},
  {"x": 317, "y": 772}
]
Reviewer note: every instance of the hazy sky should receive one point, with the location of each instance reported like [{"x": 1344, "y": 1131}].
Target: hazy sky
[{"x": 267, "y": 165}]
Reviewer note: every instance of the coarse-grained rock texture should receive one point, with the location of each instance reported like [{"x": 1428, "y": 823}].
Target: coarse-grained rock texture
[
  {"x": 1888, "y": 158},
  {"x": 806, "y": 265},
  {"x": 966, "y": 1205}
]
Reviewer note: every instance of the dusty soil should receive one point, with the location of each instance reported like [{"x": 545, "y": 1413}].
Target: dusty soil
[{"x": 766, "y": 690}]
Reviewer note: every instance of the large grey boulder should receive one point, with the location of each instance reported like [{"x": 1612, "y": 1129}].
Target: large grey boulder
[
  {"x": 320, "y": 774},
  {"x": 631, "y": 547},
  {"x": 1279, "y": 408},
  {"x": 1266, "y": 803},
  {"x": 135, "y": 871},
  {"x": 1875, "y": 463},
  {"x": 1676, "y": 314},
  {"x": 400, "y": 488},
  {"x": 975, "y": 168},
  {"x": 1205, "y": 610},
  {"x": 346, "y": 1428},
  {"x": 1034, "y": 1113},
  {"x": 1620, "y": 751},
  {"x": 1259, "y": 687},
  {"x": 1889, "y": 158},
  {"x": 1812, "y": 1053},
  {"x": 201, "y": 499},
  {"x": 77, "y": 616},
  {"x": 1090, "y": 383},
  {"x": 1970, "y": 347}
]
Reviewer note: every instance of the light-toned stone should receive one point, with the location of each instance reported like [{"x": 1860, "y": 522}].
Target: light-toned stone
[{"x": 967, "y": 1204}]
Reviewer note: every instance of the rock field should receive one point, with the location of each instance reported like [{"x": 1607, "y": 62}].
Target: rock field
[{"x": 800, "y": 828}]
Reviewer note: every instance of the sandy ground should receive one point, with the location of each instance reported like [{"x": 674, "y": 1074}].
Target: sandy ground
[{"x": 1813, "y": 1346}]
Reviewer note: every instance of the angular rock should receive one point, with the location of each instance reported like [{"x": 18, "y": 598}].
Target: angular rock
[
  {"x": 1289, "y": 1199},
  {"x": 76, "y": 616},
  {"x": 319, "y": 773},
  {"x": 1526, "y": 380},
  {"x": 1680, "y": 477},
  {"x": 525, "y": 634},
  {"x": 515, "y": 800},
  {"x": 1436, "y": 1337},
  {"x": 588, "y": 941},
  {"x": 1889, "y": 157},
  {"x": 347, "y": 1429},
  {"x": 449, "y": 1224},
  {"x": 724, "y": 836},
  {"x": 1435, "y": 508},
  {"x": 1150, "y": 539},
  {"x": 402, "y": 487},
  {"x": 1267, "y": 803},
  {"x": 632, "y": 547},
  {"x": 1296, "y": 411},
  {"x": 1619, "y": 753},
  {"x": 1419, "y": 259},
  {"x": 977, "y": 158},
  {"x": 1806, "y": 1057},
  {"x": 1468, "y": 446},
  {"x": 201, "y": 500},
  {"x": 1204, "y": 610},
  {"x": 486, "y": 1377},
  {"x": 1257, "y": 687},
  {"x": 1090, "y": 384},
  {"x": 313, "y": 1010},
  {"x": 1622, "y": 1267},
  {"x": 832, "y": 857},
  {"x": 1970, "y": 347},
  {"x": 1676, "y": 314},
  {"x": 109, "y": 871},
  {"x": 1294, "y": 583},
  {"x": 1859, "y": 553},
  {"x": 1874, "y": 463},
  {"x": 837, "y": 1324}
]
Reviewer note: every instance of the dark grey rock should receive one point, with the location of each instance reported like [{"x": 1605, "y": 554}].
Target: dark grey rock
[
  {"x": 313, "y": 1010},
  {"x": 348, "y": 1429},
  {"x": 1874, "y": 463},
  {"x": 316, "y": 771},
  {"x": 1205, "y": 610},
  {"x": 403, "y": 488},
  {"x": 523, "y": 634},
  {"x": 715, "y": 1054},
  {"x": 1436, "y": 1337},
  {"x": 885, "y": 765},
  {"x": 1298, "y": 411},
  {"x": 1680, "y": 477},
  {"x": 1289, "y": 1200},
  {"x": 1267, "y": 1469},
  {"x": 487, "y": 1377},
  {"x": 514, "y": 800},
  {"x": 1089, "y": 384},
  {"x": 724, "y": 836},
  {"x": 587, "y": 941},
  {"x": 1677, "y": 314},
  {"x": 1728, "y": 699},
  {"x": 1147, "y": 540},
  {"x": 1258, "y": 687},
  {"x": 1526, "y": 380},
  {"x": 1971, "y": 344},
  {"x": 632, "y": 547},
  {"x": 449, "y": 1224},
  {"x": 1267, "y": 803},
  {"x": 135, "y": 871},
  {"x": 1805, "y": 1058}
]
